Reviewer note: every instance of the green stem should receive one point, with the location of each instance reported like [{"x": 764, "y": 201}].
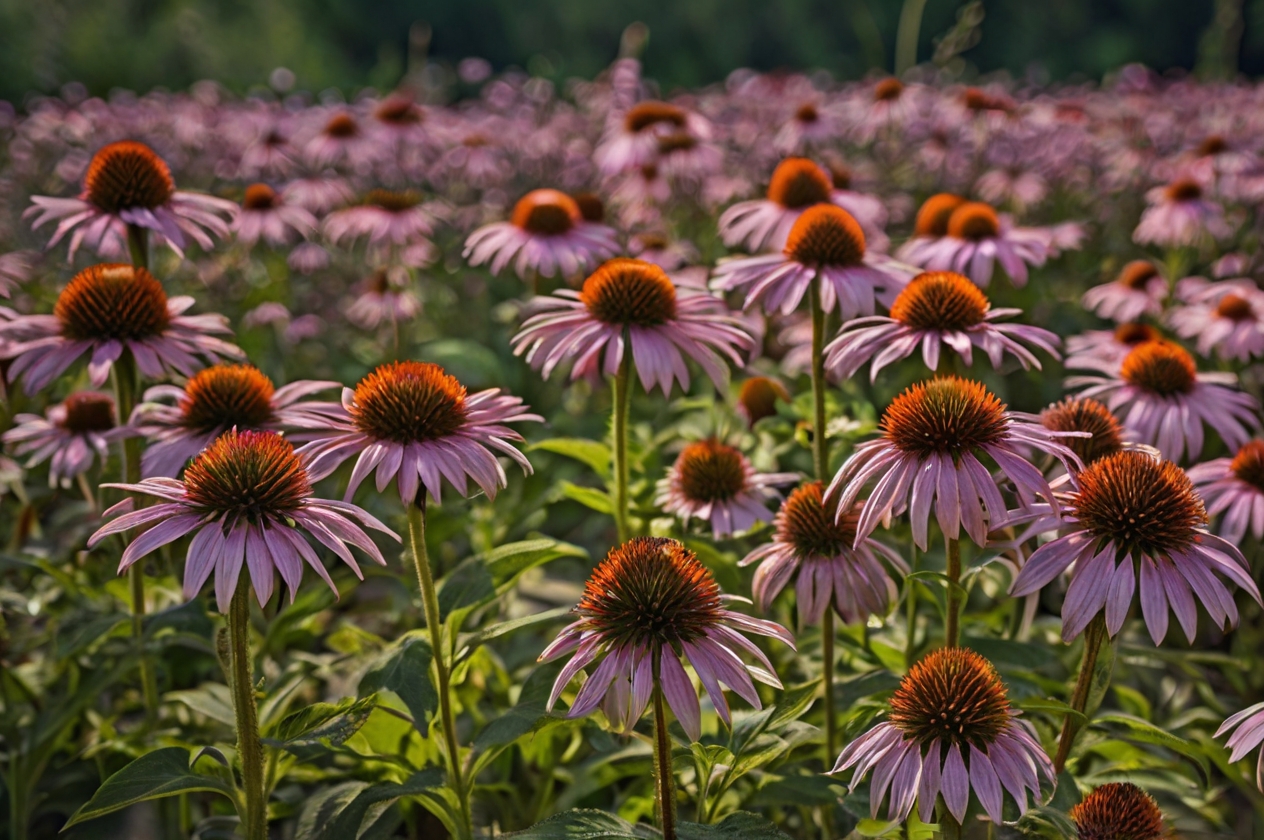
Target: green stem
[
  {"x": 906, "y": 35},
  {"x": 827, "y": 680},
  {"x": 820, "y": 444},
  {"x": 665, "y": 785},
  {"x": 249, "y": 748},
  {"x": 1094, "y": 636},
  {"x": 430, "y": 605},
  {"x": 952, "y": 627},
  {"x": 138, "y": 246},
  {"x": 619, "y": 429},
  {"x": 910, "y": 607}
]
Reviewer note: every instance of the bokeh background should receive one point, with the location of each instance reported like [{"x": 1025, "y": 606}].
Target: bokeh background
[{"x": 141, "y": 44}]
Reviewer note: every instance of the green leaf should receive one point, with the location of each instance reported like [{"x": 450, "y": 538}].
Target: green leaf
[
  {"x": 589, "y": 497},
  {"x": 163, "y": 772},
  {"x": 1142, "y": 731},
  {"x": 214, "y": 700},
  {"x": 1022, "y": 654},
  {"x": 525, "y": 717},
  {"x": 583, "y": 824},
  {"x": 1049, "y": 706},
  {"x": 511, "y": 560},
  {"x": 865, "y": 685},
  {"x": 322, "y": 723},
  {"x": 73, "y": 641},
  {"x": 593, "y": 453},
  {"x": 346, "y": 825},
  {"x": 189, "y": 617},
  {"x": 469, "y": 585},
  {"x": 480, "y": 579},
  {"x": 503, "y": 628},
  {"x": 739, "y": 825},
  {"x": 405, "y": 670}
]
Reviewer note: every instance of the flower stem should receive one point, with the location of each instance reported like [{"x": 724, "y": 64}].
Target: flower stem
[
  {"x": 138, "y": 246},
  {"x": 952, "y": 625},
  {"x": 820, "y": 445},
  {"x": 827, "y": 680},
  {"x": 430, "y": 605},
  {"x": 1094, "y": 636},
  {"x": 249, "y": 748},
  {"x": 910, "y": 644},
  {"x": 665, "y": 785},
  {"x": 619, "y": 429}
]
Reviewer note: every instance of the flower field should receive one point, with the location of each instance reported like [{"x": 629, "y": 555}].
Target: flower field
[{"x": 787, "y": 458}]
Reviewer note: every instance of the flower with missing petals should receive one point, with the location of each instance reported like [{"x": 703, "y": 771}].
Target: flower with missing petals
[
  {"x": 647, "y": 606},
  {"x": 936, "y": 310},
  {"x": 1140, "y": 289},
  {"x": 631, "y": 306},
  {"x": 1164, "y": 401},
  {"x": 1235, "y": 487},
  {"x": 977, "y": 238},
  {"x": 415, "y": 424},
  {"x": 932, "y": 437},
  {"x": 715, "y": 482},
  {"x": 547, "y": 233},
  {"x": 181, "y": 422},
  {"x": 1118, "y": 811},
  {"x": 247, "y": 501},
  {"x": 1134, "y": 524},
  {"x": 107, "y": 310},
  {"x": 825, "y": 245},
  {"x": 951, "y": 730},
  {"x": 834, "y": 569},
  {"x": 73, "y": 434},
  {"x": 127, "y": 184}
]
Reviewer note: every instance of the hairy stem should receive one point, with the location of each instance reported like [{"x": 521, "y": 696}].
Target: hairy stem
[
  {"x": 820, "y": 444},
  {"x": 430, "y": 605},
  {"x": 827, "y": 680},
  {"x": 664, "y": 784},
  {"x": 249, "y": 748},
  {"x": 1094, "y": 636},
  {"x": 619, "y": 430},
  {"x": 952, "y": 624}
]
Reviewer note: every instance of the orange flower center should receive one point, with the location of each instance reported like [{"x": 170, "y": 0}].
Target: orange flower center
[
  {"x": 677, "y": 141},
  {"x": 807, "y": 113},
  {"x": 1118, "y": 811},
  {"x": 759, "y": 396},
  {"x": 1137, "y": 274},
  {"x": 940, "y": 300},
  {"x": 342, "y": 126},
  {"x": 1248, "y": 464},
  {"x": 953, "y": 695},
  {"x": 409, "y": 402},
  {"x": 711, "y": 471},
  {"x": 112, "y": 301},
  {"x": 840, "y": 175},
  {"x": 127, "y": 174},
  {"x": 1235, "y": 308},
  {"x": 974, "y": 220},
  {"x": 1184, "y": 189},
  {"x": 1134, "y": 333},
  {"x": 645, "y": 114},
  {"x": 631, "y": 293},
  {"x": 946, "y": 415},
  {"x": 1085, "y": 415},
  {"x": 826, "y": 235},
  {"x": 805, "y": 523},
  {"x": 224, "y": 396},
  {"x": 933, "y": 215},
  {"x": 798, "y": 182},
  {"x": 392, "y": 201},
  {"x": 591, "y": 207},
  {"x": 888, "y": 89},
  {"x": 546, "y": 212},
  {"x": 1212, "y": 145},
  {"x": 248, "y": 475},
  {"x": 259, "y": 197},
  {"x": 1161, "y": 367},
  {"x": 1139, "y": 502},
  {"x": 87, "y": 411},
  {"x": 398, "y": 109}
]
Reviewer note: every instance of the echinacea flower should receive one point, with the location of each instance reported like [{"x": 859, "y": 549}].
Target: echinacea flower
[
  {"x": 1138, "y": 290},
  {"x": 181, "y": 422},
  {"x": 834, "y": 568},
  {"x": 127, "y": 184},
  {"x": 1235, "y": 487},
  {"x": 385, "y": 217},
  {"x": 415, "y": 424},
  {"x": 1133, "y": 523},
  {"x": 248, "y": 502},
  {"x": 797, "y": 184},
  {"x": 1250, "y": 725},
  {"x": 1180, "y": 214},
  {"x": 73, "y": 434},
  {"x": 1164, "y": 401},
  {"x": 1084, "y": 414},
  {"x": 1118, "y": 811},
  {"x": 936, "y": 310},
  {"x": 977, "y": 239},
  {"x": 1105, "y": 350},
  {"x": 932, "y": 437},
  {"x": 758, "y": 397},
  {"x": 1228, "y": 321},
  {"x": 930, "y": 225},
  {"x": 384, "y": 297},
  {"x": 631, "y": 306},
  {"x": 715, "y": 482},
  {"x": 547, "y": 233},
  {"x": 265, "y": 215},
  {"x": 951, "y": 730},
  {"x": 107, "y": 310},
  {"x": 633, "y": 140},
  {"x": 343, "y": 140},
  {"x": 648, "y": 605},
  {"x": 15, "y": 268},
  {"x": 826, "y": 245}
]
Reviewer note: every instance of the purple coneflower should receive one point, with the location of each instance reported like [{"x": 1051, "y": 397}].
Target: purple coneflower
[
  {"x": 344, "y": 140},
  {"x": 214, "y": 400},
  {"x": 128, "y": 185},
  {"x": 73, "y": 434},
  {"x": 109, "y": 309},
  {"x": 1132, "y": 516},
  {"x": 977, "y": 239},
  {"x": 1164, "y": 401},
  {"x": 15, "y": 268},
  {"x": 1228, "y": 319},
  {"x": 385, "y": 217},
  {"x": 825, "y": 244},
  {"x": 930, "y": 226},
  {"x": 1138, "y": 290},
  {"x": 649, "y": 604},
  {"x": 1250, "y": 734},
  {"x": 1118, "y": 811},
  {"x": 954, "y": 699},
  {"x": 634, "y": 140},
  {"x": 413, "y": 422},
  {"x": 937, "y": 309},
  {"x": 265, "y": 215},
  {"x": 834, "y": 568},
  {"x": 547, "y": 233},
  {"x": 1084, "y": 414},
  {"x": 1105, "y": 350},
  {"x": 715, "y": 482},
  {"x": 246, "y": 499},
  {"x": 932, "y": 436},
  {"x": 384, "y": 297},
  {"x": 1235, "y": 487},
  {"x": 631, "y": 307},
  {"x": 1179, "y": 214}
]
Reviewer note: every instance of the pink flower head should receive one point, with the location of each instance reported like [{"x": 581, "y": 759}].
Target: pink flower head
[
  {"x": 1138, "y": 290},
  {"x": 15, "y": 268},
  {"x": 106, "y": 310},
  {"x": 834, "y": 568},
  {"x": 825, "y": 245},
  {"x": 1164, "y": 401},
  {"x": 951, "y": 730},
  {"x": 633, "y": 138},
  {"x": 1227, "y": 318},
  {"x": 1134, "y": 524},
  {"x": 128, "y": 184},
  {"x": 715, "y": 482},
  {"x": 649, "y": 605},
  {"x": 247, "y": 501},
  {"x": 73, "y": 434},
  {"x": 385, "y": 218},
  {"x": 413, "y": 422},
  {"x": 1249, "y": 724},
  {"x": 1105, "y": 350},
  {"x": 937, "y": 310},
  {"x": 631, "y": 306},
  {"x": 384, "y": 298},
  {"x": 932, "y": 437},
  {"x": 977, "y": 238},
  {"x": 265, "y": 215},
  {"x": 546, "y": 234},
  {"x": 1235, "y": 487},
  {"x": 1180, "y": 214}
]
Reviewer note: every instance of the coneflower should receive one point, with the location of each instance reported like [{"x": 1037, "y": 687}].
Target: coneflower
[
  {"x": 715, "y": 482},
  {"x": 546, "y": 234},
  {"x": 1118, "y": 811}
]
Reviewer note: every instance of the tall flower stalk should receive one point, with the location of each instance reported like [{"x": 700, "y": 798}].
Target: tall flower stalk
[
  {"x": 820, "y": 463},
  {"x": 621, "y": 413},
  {"x": 246, "y": 712}
]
